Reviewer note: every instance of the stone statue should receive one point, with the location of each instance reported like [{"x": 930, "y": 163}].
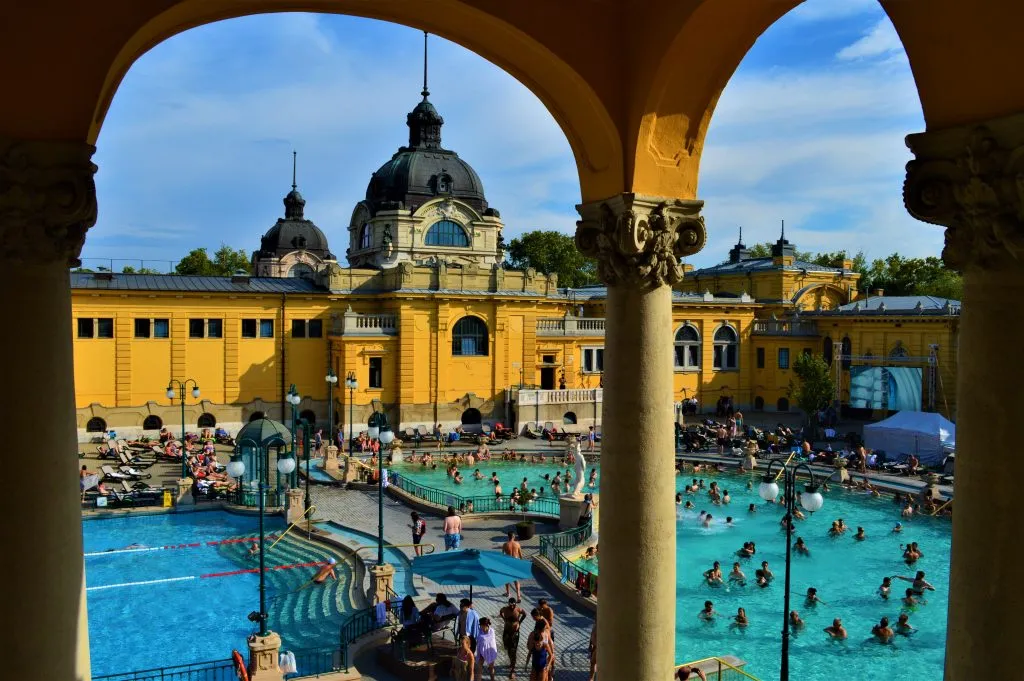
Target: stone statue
[{"x": 581, "y": 469}]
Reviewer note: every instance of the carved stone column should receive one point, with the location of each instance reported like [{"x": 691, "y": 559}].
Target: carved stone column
[
  {"x": 638, "y": 242},
  {"x": 971, "y": 180},
  {"x": 47, "y": 202}
]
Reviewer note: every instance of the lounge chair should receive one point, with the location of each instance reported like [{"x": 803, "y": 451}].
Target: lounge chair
[
  {"x": 531, "y": 431},
  {"x": 136, "y": 461},
  {"x": 410, "y": 435},
  {"x": 112, "y": 475},
  {"x": 485, "y": 430},
  {"x": 134, "y": 473},
  {"x": 425, "y": 435},
  {"x": 140, "y": 488}
]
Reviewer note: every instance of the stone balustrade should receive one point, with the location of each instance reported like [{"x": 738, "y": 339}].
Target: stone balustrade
[
  {"x": 570, "y": 396},
  {"x": 570, "y": 326},
  {"x": 352, "y": 323},
  {"x": 784, "y": 327}
]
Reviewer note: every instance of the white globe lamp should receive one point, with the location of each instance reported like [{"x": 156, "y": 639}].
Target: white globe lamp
[
  {"x": 236, "y": 467},
  {"x": 285, "y": 464},
  {"x": 768, "y": 490},
  {"x": 386, "y": 437},
  {"x": 811, "y": 499}
]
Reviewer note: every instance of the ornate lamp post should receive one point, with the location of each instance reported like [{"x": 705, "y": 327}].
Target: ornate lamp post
[
  {"x": 812, "y": 501},
  {"x": 352, "y": 384},
  {"x": 331, "y": 379},
  {"x": 306, "y": 426},
  {"x": 294, "y": 399},
  {"x": 378, "y": 428},
  {"x": 181, "y": 387}
]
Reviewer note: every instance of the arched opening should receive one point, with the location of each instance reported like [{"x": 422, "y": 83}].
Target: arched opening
[
  {"x": 301, "y": 271},
  {"x": 826, "y": 350},
  {"x": 471, "y": 417},
  {"x": 847, "y": 346},
  {"x": 96, "y": 425},
  {"x": 152, "y": 422},
  {"x": 308, "y": 415},
  {"x": 726, "y": 349},
  {"x": 366, "y": 236},
  {"x": 569, "y": 418},
  {"x": 782, "y": 404},
  {"x": 758, "y": 403},
  {"x": 687, "y": 345},
  {"x": 206, "y": 420},
  {"x": 446, "y": 233},
  {"x": 469, "y": 337},
  {"x": 256, "y": 416}
]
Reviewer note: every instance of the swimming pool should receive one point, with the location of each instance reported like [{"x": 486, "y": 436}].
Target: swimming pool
[
  {"x": 153, "y": 607},
  {"x": 846, "y": 573},
  {"x": 510, "y": 474}
]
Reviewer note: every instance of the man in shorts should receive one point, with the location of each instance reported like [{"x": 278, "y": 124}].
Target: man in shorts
[
  {"x": 512, "y": 615},
  {"x": 419, "y": 528},
  {"x": 452, "y": 530}
]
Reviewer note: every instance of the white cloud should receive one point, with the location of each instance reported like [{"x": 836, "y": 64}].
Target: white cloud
[
  {"x": 825, "y": 10},
  {"x": 881, "y": 41}
]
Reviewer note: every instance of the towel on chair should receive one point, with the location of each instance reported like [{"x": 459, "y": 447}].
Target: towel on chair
[{"x": 381, "y": 612}]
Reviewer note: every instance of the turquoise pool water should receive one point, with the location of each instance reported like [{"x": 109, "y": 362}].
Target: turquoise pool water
[
  {"x": 318, "y": 474},
  {"x": 395, "y": 557},
  {"x": 156, "y": 608},
  {"x": 510, "y": 474},
  {"x": 846, "y": 573}
]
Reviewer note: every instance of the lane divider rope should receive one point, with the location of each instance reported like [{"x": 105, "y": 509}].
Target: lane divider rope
[
  {"x": 209, "y": 575},
  {"x": 193, "y": 545}
]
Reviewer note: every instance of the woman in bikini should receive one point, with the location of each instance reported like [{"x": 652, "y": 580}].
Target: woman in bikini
[{"x": 462, "y": 664}]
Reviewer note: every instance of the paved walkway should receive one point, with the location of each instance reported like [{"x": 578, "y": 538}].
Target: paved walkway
[{"x": 358, "y": 509}]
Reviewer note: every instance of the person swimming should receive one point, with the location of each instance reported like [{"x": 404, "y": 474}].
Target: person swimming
[
  {"x": 800, "y": 547},
  {"x": 713, "y": 576},
  {"x": 737, "y": 575},
  {"x": 836, "y": 632},
  {"x": 885, "y": 588},
  {"x": 882, "y": 632},
  {"x": 326, "y": 571},
  {"x": 903, "y": 627},
  {"x": 708, "y": 613},
  {"x": 898, "y": 527},
  {"x": 908, "y": 599},
  {"x": 795, "y": 621},
  {"x": 811, "y": 599},
  {"x": 918, "y": 584},
  {"x": 860, "y": 536}
]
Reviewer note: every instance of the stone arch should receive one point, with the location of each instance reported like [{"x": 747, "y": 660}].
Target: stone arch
[
  {"x": 826, "y": 296},
  {"x": 152, "y": 422},
  {"x": 256, "y": 416},
  {"x": 308, "y": 415},
  {"x": 782, "y": 404},
  {"x": 471, "y": 417},
  {"x": 758, "y": 403},
  {"x": 96, "y": 425},
  {"x": 206, "y": 420},
  {"x": 569, "y": 418}
]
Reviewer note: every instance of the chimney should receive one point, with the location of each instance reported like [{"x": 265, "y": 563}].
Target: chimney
[
  {"x": 847, "y": 264},
  {"x": 878, "y": 292},
  {"x": 240, "y": 277}
]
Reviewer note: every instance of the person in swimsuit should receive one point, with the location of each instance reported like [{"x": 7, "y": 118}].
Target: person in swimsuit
[
  {"x": 512, "y": 548},
  {"x": 882, "y": 632},
  {"x": 713, "y": 576},
  {"x": 918, "y": 584},
  {"x": 903, "y": 627},
  {"x": 684, "y": 673},
  {"x": 708, "y": 613},
  {"x": 326, "y": 571},
  {"x": 837, "y": 632},
  {"x": 737, "y": 575},
  {"x": 512, "y": 615},
  {"x": 486, "y": 649},
  {"x": 419, "y": 528},
  {"x": 741, "y": 618},
  {"x": 794, "y": 620},
  {"x": 885, "y": 588},
  {"x": 462, "y": 663},
  {"x": 800, "y": 547},
  {"x": 539, "y": 651}
]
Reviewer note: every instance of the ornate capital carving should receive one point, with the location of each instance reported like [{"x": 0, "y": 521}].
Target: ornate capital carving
[
  {"x": 971, "y": 180},
  {"x": 638, "y": 240},
  {"x": 47, "y": 200}
]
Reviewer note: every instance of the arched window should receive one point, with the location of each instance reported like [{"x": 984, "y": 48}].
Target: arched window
[
  {"x": 469, "y": 337},
  {"x": 206, "y": 420},
  {"x": 446, "y": 233},
  {"x": 308, "y": 415},
  {"x": 301, "y": 271},
  {"x": 826, "y": 350},
  {"x": 758, "y": 403},
  {"x": 444, "y": 184},
  {"x": 366, "y": 236},
  {"x": 152, "y": 422},
  {"x": 96, "y": 425},
  {"x": 847, "y": 361},
  {"x": 471, "y": 417},
  {"x": 687, "y": 348},
  {"x": 256, "y": 416},
  {"x": 782, "y": 404},
  {"x": 569, "y": 418},
  {"x": 726, "y": 348}
]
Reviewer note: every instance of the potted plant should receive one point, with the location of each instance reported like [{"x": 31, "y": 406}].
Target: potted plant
[{"x": 525, "y": 529}]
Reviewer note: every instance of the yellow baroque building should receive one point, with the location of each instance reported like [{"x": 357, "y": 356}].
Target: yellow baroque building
[{"x": 435, "y": 330}]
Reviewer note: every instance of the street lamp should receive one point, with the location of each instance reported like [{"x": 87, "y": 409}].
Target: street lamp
[
  {"x": 812, "y": 501},
  {"x": 378, "y": 428},
  {"x": 293, "y": 398},
  {"x": 331, "y": 379},
  {"x": 182, "y": 387},
  {"x": 236, "y": 469},
  {"x": 352, "y": 384}
]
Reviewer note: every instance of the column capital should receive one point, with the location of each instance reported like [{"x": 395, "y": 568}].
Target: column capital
[
  {"x": 47, "y": 200},
  {"x": 638, "y": 240},
  {"x": 971, "y": 180}
]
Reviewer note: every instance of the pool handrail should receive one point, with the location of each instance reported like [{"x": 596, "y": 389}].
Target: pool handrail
[
  {"x": 551, "y": 549},
  {"x": 481, "y": 503},
  {"x": 722, "y": 666},
  {"x": 399, "y": 546},
  {"x": 304, "y": 514}
]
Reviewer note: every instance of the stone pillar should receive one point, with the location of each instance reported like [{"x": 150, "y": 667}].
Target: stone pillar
[
  {"x": 331, "y": 459},
  {"x": 184, "y": 496},
  {"x": 638, "y": 242},
  {"x": 569, "y": 508},
  {"x": 263, "y": 656},
  {"x": 296, "y": 506},
  {"x": 971, "y": 180},
  {"x": 382, "y": 582},
  {"x": 47, "y": 202}
]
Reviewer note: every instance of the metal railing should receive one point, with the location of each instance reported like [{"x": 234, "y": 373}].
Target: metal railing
[
  {"x": 360, "y": 624},
  {"x": 569, "y": 396},
  {"x": 250, "y": 498},
  {"x": 304, "y": 514},
  {"x": 724, "y": 672},
  {"x": 215, "y": 670},
  {"x": 313, "y": 662},
  {"x": 553, "y": 547},
  {"x": 784, "y": 327},
  {"x": 477, "y": 504}
]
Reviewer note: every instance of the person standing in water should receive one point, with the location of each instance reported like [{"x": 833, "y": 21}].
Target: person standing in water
[{"x": 836, "y": 631}]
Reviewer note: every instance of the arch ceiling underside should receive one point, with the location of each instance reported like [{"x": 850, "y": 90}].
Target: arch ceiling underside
[{"x": 632, "y": 84}]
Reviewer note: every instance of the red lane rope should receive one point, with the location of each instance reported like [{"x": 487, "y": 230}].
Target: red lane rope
[{"x": 316, "y": 563}]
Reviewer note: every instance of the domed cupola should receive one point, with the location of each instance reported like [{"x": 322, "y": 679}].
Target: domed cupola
[{"x": 294, "y": 246}]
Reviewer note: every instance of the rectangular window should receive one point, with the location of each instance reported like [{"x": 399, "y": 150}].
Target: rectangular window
[
  {"x": 783, "y": 358},
  {"x": 142, "y": 328},
  {"x": 298, "y": 328},
  {"x": 760, "y": 358},
  {"x": 315, "y": 328},
  {"x": 376, "y": 372},
  {"x": 214, "y": 328},
  {"x": 196, "y": 328},
  {"x": 85, "y": 327},
  {"x": 105, "y": 327},
  {"x": 248, "y": 328},
  {"x": 593, "y": 360},
  {"x": 161, "y": 328},
  {"x": 266, "y": 328}
]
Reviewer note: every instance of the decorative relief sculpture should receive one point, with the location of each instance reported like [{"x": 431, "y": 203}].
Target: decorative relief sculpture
[
  {"x": 47, "y": 200},
  {"x": 971, "y": 180},
  {"x": 639, "y": 241}
]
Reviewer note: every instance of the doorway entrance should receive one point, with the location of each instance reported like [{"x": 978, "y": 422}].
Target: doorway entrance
[{"x": 547, "y": 373}]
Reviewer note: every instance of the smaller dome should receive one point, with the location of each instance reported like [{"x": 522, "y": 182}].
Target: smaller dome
[
  {"x": 262, "y": 433},
  {"x": 293, "y": 232}
]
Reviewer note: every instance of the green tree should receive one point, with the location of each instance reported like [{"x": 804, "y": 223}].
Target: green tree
[
  {"x": 226, "y": 261},
  {"x": 550, "y": 252},
  {"x": 129, "y": 269},
  {"x": 813, "y": 388}
]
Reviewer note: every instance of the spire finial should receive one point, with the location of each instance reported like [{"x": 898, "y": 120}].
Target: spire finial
[
  {"x": 783, "y": 237},
  {"x": 425, "y": 90},
  {"x": 294, "y": 155},
  {"x": 741, "y": 235}
]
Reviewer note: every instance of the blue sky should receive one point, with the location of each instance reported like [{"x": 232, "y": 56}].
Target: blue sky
[{"x": 196, "y": 148}]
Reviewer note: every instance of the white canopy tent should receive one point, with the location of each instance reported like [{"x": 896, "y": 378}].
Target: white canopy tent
[{"x": 926, "y": 434}]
